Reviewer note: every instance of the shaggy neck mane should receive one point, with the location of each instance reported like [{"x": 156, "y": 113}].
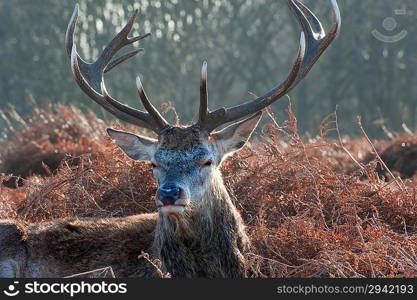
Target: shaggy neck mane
[{"x": 207, "y": 241}]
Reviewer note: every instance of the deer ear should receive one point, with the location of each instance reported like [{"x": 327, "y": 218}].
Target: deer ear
[
  {"x": 136, "y": 147},
  {"x": 234, "y": 137}
]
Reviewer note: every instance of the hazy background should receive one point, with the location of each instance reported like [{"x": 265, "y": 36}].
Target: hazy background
[{"x": 249, "y": 45}]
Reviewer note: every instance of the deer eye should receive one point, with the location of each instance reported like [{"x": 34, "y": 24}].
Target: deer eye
[{"x": 207, "y": 163}]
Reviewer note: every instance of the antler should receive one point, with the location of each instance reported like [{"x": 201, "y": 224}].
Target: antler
[
  {"x": 89, "y": 76},
  {"x": 313, "y": 43}
]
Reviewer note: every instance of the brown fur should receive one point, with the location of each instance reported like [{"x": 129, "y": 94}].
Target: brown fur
[
  {"x": 400, "y": 157},
  {"x": 208, "y": 243},
  {"x": 69, "y": 246},
  {"x": 12, "y": 252},
  {"x": 180, "y": 139},
  {"x": 207, "y": 240}
]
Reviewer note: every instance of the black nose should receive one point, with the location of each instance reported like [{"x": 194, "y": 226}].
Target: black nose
[{"x": 168, "y": 195}]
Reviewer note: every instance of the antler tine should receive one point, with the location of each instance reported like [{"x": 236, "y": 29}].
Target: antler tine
[
  {"x": 104, "y": 63},
  {"x": 99, "y": 99},
  {"x": 203, "y": 94},
  {"x": 314, "y": 23},
  {"x": 160, "y": 121},
  {"x": 317, "y": 42},
  {"x": 69, "y": 34},
  {"x": 118, "y": 42},
  {"x": 89, "y": 76},
  {"x": 337, "y": 24},
  {"x": 222, "y": 115},
  {"x": 69, "y": 39},
  {"x": 313, "y": 43},
  {"x": 121, "y": 59}
]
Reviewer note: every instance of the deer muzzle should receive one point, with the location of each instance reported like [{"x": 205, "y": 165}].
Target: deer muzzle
[{"x": 169, "y": 198}]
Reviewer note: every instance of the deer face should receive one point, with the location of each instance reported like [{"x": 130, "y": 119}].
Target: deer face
[{"x": 185, "y": 161}]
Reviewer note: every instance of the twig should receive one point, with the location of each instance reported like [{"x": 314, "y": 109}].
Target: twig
[
  {"x": 343, "y": 147},
  {"x": 407, "y": 130},
  {"x": 101, "y": 271},
  {"x": 156, "y": 263},
  {"x": 398, "y": 181}
]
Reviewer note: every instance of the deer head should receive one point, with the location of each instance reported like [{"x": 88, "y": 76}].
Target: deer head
[{"x": 186, "y": 159}]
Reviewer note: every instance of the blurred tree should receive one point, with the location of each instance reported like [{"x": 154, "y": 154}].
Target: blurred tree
[{"x": 249, "y": 45}]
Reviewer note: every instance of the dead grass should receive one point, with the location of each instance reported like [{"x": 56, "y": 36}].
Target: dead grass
[
  {"x": 43, "y": 140},
  {"x": 309, "y": 209}
]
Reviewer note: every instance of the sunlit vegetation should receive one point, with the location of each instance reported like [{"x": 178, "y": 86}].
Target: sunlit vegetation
[{"x": 314, "y": 207}]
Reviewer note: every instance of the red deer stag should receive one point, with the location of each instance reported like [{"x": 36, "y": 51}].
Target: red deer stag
[{"x": 197, "y": 231}]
